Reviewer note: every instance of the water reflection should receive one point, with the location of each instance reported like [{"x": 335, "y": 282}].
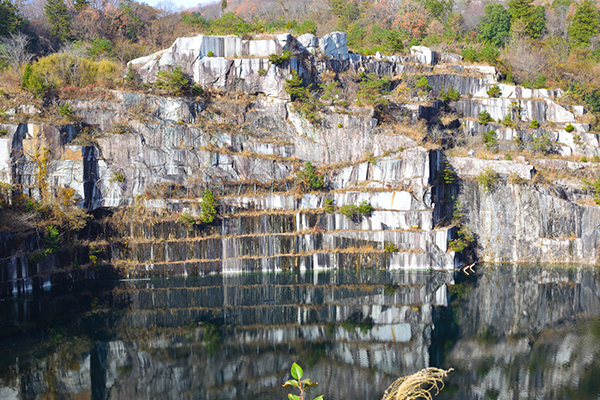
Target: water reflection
[{"x": 509, "y": 332}]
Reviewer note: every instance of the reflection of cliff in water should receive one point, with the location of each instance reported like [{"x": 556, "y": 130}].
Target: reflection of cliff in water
[
  {"x": 510, "y": 332},
  {"x": 523, "y": 332},
  {"x": 236, "y": 337}
]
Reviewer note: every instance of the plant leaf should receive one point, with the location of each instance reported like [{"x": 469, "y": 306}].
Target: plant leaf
[
  {"x": 297, "y": 371},
  {"x": 310, "y": 384},
  {"x": 319, "y": 398},
  {"x": 293, "y": 397},
  {"x": 291, "y": 382}
]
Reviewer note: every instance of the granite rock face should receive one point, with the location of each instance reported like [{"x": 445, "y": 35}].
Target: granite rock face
[
  {"x": 530, "y": 222},
  {"x": 168, "y": 150}
]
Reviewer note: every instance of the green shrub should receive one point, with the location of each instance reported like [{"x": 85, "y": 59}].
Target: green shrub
[
  {"x": 507, "y": 120},
  {"x": 210, "y": 54},
  {"x": 33, "y": 82},
  {"x": 132, "y": 77},
  {"x": 51, "y": 240},
  {"x": 593, "y": 186},
  {"x": 494, "y": 91},
  {"x": 364, "y": 208},
  {"x": 187, "y": 219},
  {"x": 423, "y": 84},
  {"x": 542, "y": 144},
  {"x": 569, "y": 127},
  {"x": 534, "y": 124},
  {"x": 209, "y": 207},
  {"x": 92, "y": 251},
  {"x": 331, "y": 92},
  {"x": 262, "y": 72},
  {"x": 355, "y": 212},
  {"x": 457, "y": 210},
  {"x": 488, "y": 179},
  {"x": 464, "y": 239},
  {"x": 329, "y": 207},
  {"x": 310, "y": 178},
  {"x": 372, "y": 88},
  {"x": 196, "y": 89},
  {"x": 450, "y": 95},
  {"x": 304, "y": 101},
  {"x": 173, "y": 82},
  {"x": 65, "y": 110},
  {"x": 489, "y": 139},
  {"x": 280, "y": 59},
  {"x": 484, "y": 117},
  {"x": 448, "y": 173},
  {"x": 539, "y": 83},
  {"x": 68, "y": 69},
  {"x": 295, "y": 88},
  {"x": 508, "y": 157},
  {"x": 101, "y": 47},
  {"x": 390, "y": 247}
]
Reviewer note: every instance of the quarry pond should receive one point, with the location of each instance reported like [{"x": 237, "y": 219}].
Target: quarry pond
[{"x": 509, "y": 331}]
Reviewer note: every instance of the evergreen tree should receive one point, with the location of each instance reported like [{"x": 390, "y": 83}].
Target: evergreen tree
[
  {"x": 439, "y": 8},
  {"x": 58, "y": 15},
  {"x": 584, "y": 24},
  {"x": 494, "y": 27},
  {"x": 10, "y": 20},
  {"x": 534, "y": 18}
]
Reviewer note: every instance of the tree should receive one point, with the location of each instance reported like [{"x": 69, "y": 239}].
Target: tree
[
  {"x": 346, "y": 11},
  {"x": 494, "y": 27},
  {"x": 10, "y": 20},
  {"x": 534, "y": 18},
  {"x": 13, "y": 50},
  {"x": 58, "y": 15},
  {"x": 439, "y": 8},
  {"x": 584, "y": 24}
]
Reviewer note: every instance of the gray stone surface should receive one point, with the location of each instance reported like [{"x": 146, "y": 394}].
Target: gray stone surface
[
  {"x": 424, "y": 54},
  {"x": 528, "y": 222},
  {"x": 472, "y": 167}
]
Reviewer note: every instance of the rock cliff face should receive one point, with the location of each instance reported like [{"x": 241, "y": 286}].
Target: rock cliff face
[{"x": 248, "y": 149}]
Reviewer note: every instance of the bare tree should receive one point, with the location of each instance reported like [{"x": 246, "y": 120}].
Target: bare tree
[{"x": 13, "y": 50}]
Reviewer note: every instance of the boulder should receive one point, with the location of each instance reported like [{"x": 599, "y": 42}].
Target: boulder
[
  {"x": 309, "y": 41},
  {"x": 424, "y": 54},
  {"x": 450, "y": 58},
  {"x": 334, "y": 44}
]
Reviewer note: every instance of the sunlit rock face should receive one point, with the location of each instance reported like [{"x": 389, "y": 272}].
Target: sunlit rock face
[{"x": 528, "y": 222}]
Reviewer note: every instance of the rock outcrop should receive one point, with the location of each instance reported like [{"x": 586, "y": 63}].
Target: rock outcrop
[{"x": 248, "y": 149}]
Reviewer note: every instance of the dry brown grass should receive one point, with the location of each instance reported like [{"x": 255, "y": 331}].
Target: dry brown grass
[{"x": 422, "y": 385}]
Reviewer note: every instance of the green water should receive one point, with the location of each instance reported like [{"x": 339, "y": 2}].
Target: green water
[{"x": 508, "y": 332}]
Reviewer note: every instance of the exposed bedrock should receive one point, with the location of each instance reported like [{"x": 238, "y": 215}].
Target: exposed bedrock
[{"x": 531, "y": 223}]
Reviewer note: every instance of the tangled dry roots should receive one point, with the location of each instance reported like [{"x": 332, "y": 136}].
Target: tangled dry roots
[{"x": 422, "y": 385}]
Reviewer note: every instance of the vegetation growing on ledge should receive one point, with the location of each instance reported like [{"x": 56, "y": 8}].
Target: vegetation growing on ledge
[
  {"x": 488, "y": 179},
  {"x": 356, "y": 212},
  {"x": 462, "y": 241},
  {"x": 310, "y": 179}
]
